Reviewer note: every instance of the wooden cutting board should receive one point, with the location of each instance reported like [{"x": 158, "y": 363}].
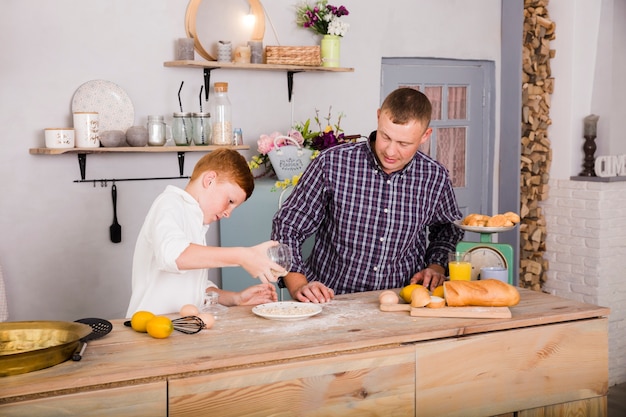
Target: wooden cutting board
[{"x": 459, "y": 312}]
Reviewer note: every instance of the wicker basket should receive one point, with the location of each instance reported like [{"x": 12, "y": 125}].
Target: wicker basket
[{"x": 293, "y": 55}]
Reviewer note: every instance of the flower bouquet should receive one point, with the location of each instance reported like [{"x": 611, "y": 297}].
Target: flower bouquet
[
  {"x": 322, "y": 18},
  {"x": 299, "y": 138}
]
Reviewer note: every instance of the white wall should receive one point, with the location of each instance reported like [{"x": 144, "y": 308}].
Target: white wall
[
  {"x": 588, "y": 67},
  {"x": 55, "y": 252}
]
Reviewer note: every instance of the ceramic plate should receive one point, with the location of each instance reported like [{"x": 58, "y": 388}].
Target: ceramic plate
[
  {"x": 287, "y": 310},
  {"x": 115, "y": 110},
  {"x": 482, "y": 229}
]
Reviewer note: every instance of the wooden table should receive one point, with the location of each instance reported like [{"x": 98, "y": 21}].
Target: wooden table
[{"x": 350, "y": 360}]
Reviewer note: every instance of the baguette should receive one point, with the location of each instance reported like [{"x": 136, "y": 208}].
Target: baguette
[{"x": 485, "y": 293}]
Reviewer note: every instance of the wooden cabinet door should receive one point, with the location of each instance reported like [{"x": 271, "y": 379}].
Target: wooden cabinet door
[
  {"x": 380, "y": 382},
  {"x": 145, "y": 400},
  {"x": 508, "y": 371}
]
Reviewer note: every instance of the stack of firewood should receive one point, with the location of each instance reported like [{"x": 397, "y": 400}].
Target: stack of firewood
[{"x": 537, "y": 87}]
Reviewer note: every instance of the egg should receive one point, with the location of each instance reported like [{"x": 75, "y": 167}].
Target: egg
[
  {"x": 189, "y": 310},
  {"x": 388, "y": 297},
  {"x": 208, "y": 319}
]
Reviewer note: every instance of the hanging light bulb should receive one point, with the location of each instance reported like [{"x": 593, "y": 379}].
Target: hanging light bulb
[{"x": 249, "y": 19}]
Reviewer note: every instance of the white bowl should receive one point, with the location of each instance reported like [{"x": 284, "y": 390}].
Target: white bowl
[{"x": 59, "y": 137}]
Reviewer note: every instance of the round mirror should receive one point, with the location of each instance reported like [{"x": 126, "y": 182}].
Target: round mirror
[{"x": 210, "y": 21}]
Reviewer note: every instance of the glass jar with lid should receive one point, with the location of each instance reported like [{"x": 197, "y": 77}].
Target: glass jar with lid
[
  {"x": 201, "y": 131},
  {"x": 182, "y": 128},
  {"x": 222, "y": 128}
]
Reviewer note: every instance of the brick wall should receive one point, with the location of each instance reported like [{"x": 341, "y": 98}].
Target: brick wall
[{"x": 586, "y": 250}]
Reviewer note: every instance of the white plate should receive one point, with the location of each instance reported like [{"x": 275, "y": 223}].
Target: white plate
[
  {"x": 482, "y": 229},
  {"x": 287, "y": 310},
  {"x": 114, "y": 107}
]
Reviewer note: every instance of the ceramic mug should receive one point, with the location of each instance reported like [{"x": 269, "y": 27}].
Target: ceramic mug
[
  {"x": 495, "y": 272},
  {"x": 86, "y": 127},
  {"x": 59, "y": 137}
]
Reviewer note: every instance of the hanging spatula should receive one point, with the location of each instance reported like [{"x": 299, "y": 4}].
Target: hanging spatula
[{"x": 115, "y": 229}]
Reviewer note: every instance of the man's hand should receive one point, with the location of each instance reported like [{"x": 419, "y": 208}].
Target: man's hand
[
  {"x": 313, "y": 292},
  {"x": 430, "y": 277}
]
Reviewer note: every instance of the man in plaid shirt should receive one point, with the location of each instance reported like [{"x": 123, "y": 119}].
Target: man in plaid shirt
[{"x": 381, "y": 211}]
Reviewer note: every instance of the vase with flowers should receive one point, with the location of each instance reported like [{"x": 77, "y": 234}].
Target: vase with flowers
[
  {"x": 324, "y": 19},
  {"x": 303, "y": 136}
]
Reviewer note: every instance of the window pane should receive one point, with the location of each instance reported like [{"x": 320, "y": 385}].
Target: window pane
[
  {"x": 457, "y": 103},
  {"x": 434, "y": 95},
  {"x": 451, "y": 152}
]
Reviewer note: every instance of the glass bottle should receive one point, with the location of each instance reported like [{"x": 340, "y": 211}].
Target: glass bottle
[
  {"x": 182, "y": 128},
  {"x": 156, "y": 131},
  {"x": 201, "y": 131},
  {"x": 222, "y": 128}
]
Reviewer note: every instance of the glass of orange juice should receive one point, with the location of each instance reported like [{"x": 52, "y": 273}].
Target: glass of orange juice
[{"x": 459, "y": 266}]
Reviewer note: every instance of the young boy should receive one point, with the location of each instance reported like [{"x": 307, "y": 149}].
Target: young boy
[{"x": 171, "y": 257}]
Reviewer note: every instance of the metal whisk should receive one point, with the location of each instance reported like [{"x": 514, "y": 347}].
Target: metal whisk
[{"x": 188, "y": 324}]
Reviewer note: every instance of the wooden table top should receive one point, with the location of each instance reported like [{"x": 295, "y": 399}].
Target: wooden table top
[{"x": 350, "y": 322}]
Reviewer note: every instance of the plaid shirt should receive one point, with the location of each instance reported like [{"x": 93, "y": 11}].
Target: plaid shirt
[{"x": 370, "y": 227}]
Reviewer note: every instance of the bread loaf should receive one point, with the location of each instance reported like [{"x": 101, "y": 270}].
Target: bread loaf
[{"x": 486, "y": 293}]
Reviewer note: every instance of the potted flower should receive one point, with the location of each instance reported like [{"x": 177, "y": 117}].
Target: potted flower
[
  {"x": 300, "y": 136},
  {"x": 324, "y": 19}
]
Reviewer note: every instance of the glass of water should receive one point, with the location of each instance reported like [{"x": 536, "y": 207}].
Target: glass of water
[{"x": 282, "y": 255}]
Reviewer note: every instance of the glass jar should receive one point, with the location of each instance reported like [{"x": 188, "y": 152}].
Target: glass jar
[
  {"x": 156, "y": 131},
  {"x": 182, "y": 128},
  {"x": 201, "y": 131},
  {"x": 222, "y": 128}
]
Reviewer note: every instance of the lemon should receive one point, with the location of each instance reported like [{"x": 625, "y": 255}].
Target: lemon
[
  {"x": 140, "y": 319},
  {"x": 438, "y": 292},
  {"x": 160, "y": 327},
  {"x": 405, "y": 293}
]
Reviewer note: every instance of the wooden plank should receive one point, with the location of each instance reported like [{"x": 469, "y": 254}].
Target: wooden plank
[
  {"x": 132, "y": 149},
  {"x": 451, "y": 312},
  {"x": 395, "y": 307},
  {"x": 262, "y": 67},
  {"x": 108, "y": 402},
  {"x": 372, "y": 383},
  {"x": 463, "y": 312},
  {"x": 501, "y": 372}
]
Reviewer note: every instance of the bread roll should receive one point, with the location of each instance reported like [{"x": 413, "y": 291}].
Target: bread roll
[
  {"x": 498, "y": 221},
  {"x": 514, "y": 217},
  {"x": 485, "y": 293},
  {"x": 420, "y": 297},
  {"x": 475, "y": 219}
]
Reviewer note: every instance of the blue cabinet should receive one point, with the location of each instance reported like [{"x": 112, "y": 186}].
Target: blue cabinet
[{"x": 249, "y": 225}]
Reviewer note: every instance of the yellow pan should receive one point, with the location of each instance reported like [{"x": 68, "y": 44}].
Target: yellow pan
[{"x": 27, "y": 346}]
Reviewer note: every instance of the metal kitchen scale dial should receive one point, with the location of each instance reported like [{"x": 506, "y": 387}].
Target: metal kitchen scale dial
[{"x": 487, "y": 253}]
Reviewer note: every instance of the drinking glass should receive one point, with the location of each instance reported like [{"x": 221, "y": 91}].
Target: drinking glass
[{"x": 459, "y": 266}]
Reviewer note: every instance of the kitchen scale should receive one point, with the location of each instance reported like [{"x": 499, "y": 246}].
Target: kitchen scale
[{"x": 487, "y": 253}]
